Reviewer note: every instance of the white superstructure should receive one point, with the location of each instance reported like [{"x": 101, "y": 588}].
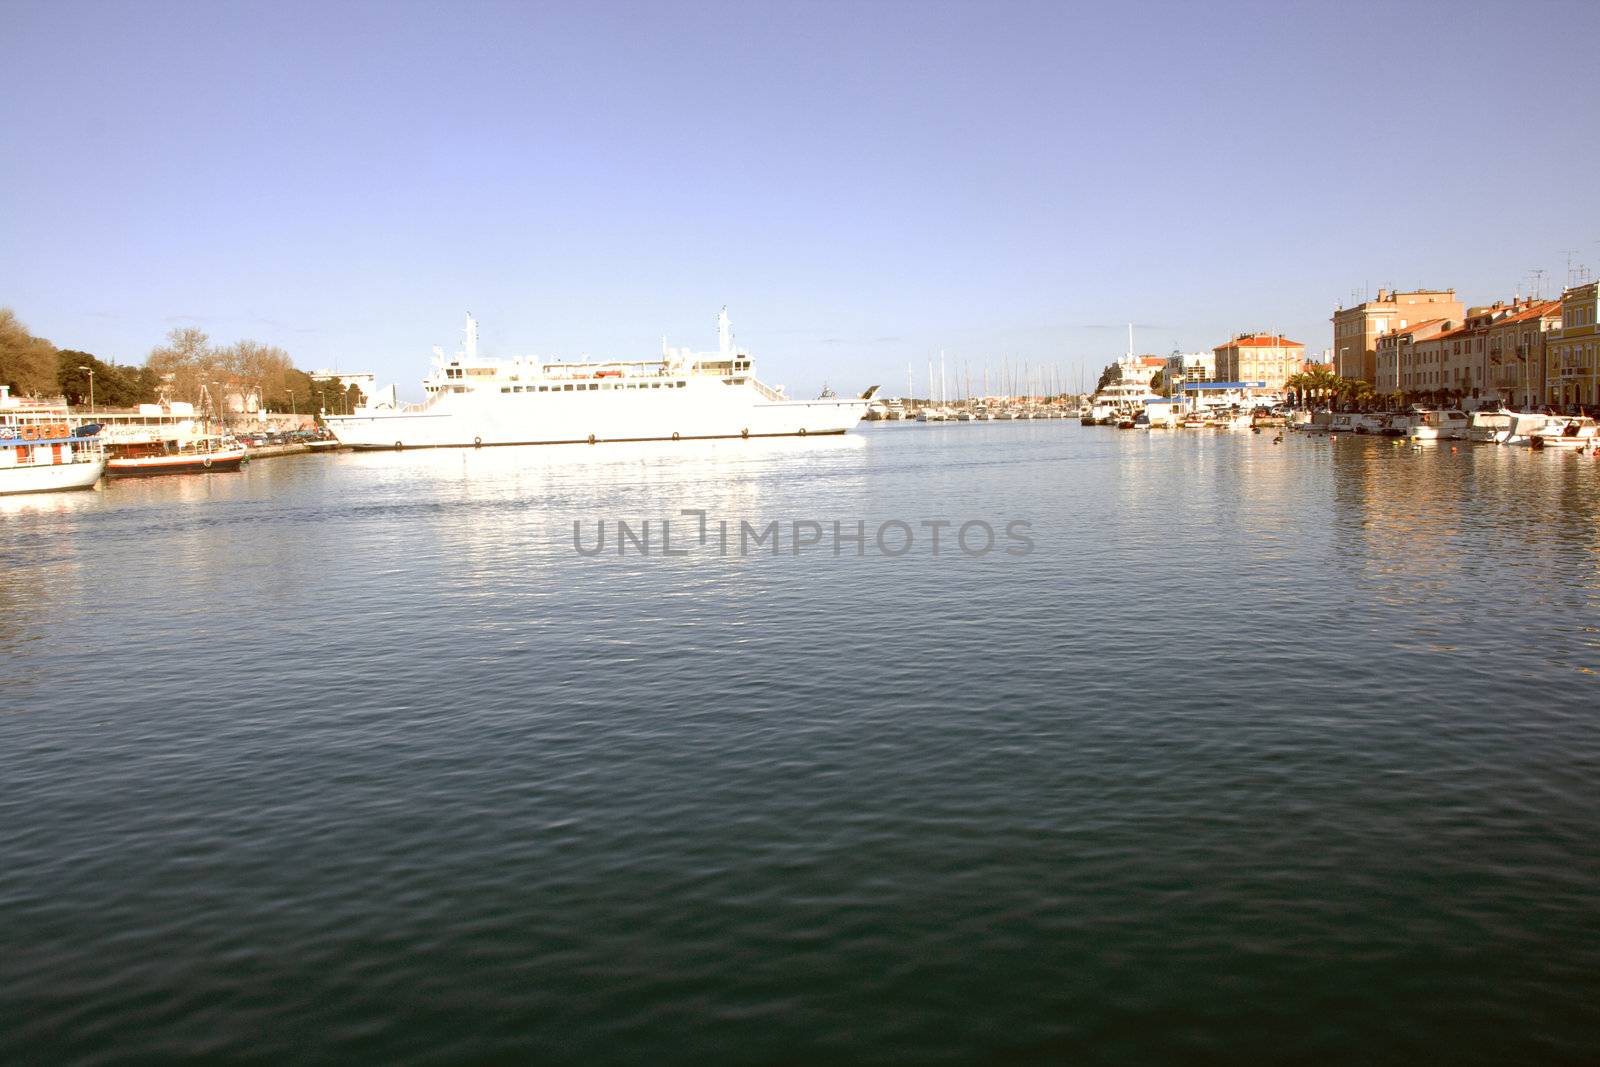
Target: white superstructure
[
  {"x": 42, "y": 451},
  {"x": 683, "y": 395}
]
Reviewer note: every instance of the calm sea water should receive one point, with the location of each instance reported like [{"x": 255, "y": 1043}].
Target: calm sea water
[{"x": 1272, "y": 752}]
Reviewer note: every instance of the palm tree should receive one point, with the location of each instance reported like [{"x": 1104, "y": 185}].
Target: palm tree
[{"x": 1297, "y": 384}]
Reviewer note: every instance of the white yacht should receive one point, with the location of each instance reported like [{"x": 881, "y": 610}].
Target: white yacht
[
  {"x": 1577, "y": 431},
  {"x": 41, "y": 451},
  {"x": 1522, "y": 425},
  {"x": 684, "y": 395},
  {"x": 1437, "y": 424},
  {"x": 1487, "y": 426}
]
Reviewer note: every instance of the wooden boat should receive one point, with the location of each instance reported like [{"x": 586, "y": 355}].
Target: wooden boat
[{"x": 198, "y": 455}]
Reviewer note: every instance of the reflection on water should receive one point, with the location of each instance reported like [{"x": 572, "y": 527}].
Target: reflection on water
[{"x": 355, "y": 750}]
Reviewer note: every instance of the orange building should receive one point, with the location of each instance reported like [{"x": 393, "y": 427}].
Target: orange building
[
  {"x": 1356, "y": 329},
  {"x": 1259, "y": 357}
]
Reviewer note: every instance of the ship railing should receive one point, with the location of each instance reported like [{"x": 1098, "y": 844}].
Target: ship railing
[{"x": 766, "y": 390}]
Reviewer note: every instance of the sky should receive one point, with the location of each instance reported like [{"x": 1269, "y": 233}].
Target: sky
[{"x": 863, "y": 184}]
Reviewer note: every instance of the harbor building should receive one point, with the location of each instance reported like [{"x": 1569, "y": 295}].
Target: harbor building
[
  {"x": 1259, "y": 357},
  {"x": 1141, "y": 370},
  {"x": 1515, "y": 353},
  {"x": 1573, "y": 348},
  {"x": 1356, "y": 329},
  {"x": 1190, "y": 367},
  {"x": 1396, "y": 361}
]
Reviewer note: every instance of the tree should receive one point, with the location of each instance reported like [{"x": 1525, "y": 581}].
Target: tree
[
  {"x": 27, "y": 363},
  {"x": 185, "y": 364},
  {"x": 1112, "y": 373},
  {"x": 1158, "y": 384},
  {"x": 114, "y": 387},
  {"x": 1313, "y": 385}
]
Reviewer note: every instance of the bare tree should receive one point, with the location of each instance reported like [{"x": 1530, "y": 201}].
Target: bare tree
[{"x": 27, "y": 363}]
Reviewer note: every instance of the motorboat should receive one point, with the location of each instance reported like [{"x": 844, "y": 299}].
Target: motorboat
[
  {"x": 1576, "y": 431},
  {"x": 1437, "y": 424}
]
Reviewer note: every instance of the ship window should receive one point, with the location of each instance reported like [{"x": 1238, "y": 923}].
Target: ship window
[
  {"x": 655, "y": 385},
  {"x": 505, "y": 389},
  {"x": 633, "y": 385},
  {"x": 593, "y": 386},
  {"x": 680, "y": 385},
  {"x": 566, "y": 388},
  {"x": 544, "y": 388}
]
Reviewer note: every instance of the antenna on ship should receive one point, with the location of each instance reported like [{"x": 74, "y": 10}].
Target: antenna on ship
[
  {"x": 724, "y": 332},
  {"x": 472, "y": 337}
]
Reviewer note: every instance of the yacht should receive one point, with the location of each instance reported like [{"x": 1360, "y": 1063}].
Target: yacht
[
  {"x": 1489, "y": 427},
  {"x": 1437, "y": 424},
  {"x": 41, "y": 451},
  {"x": 1523, "y": 425},
  {"x": 1577, "y": 431},
  {"x": 200, "y": 454},
  {"x": 473, "y": 401}
]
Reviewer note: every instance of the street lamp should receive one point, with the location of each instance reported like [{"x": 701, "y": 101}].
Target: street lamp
[{"x": 90, "y": 372}]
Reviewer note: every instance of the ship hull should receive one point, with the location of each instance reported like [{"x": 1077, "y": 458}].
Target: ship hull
[
  {"x": 51, "y": 478},
  {"x": 698, "y": 411},
  {"x": 150, "y": 466}
]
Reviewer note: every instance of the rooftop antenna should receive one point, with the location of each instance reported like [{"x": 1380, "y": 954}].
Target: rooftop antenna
[
  {"x": 1538, "y": 281},
  {"x": 1570, "y": 253}
]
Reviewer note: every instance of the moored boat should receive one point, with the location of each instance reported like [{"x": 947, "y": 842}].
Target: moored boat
[
  {"x": 683, "y": 395},
  {"x": 41, "y": 451},
  {"x": 1437, "y": 424},
  {"x": 1489, "y": 427},
  {"x": 1577, "y": 431},
  {"x": 204, "y": 454}
]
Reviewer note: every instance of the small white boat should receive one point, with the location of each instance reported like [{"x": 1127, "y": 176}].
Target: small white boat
[
  {"x": 1523, "y": 425},
  {"x": 1488, "y": 427},
  {"x": 1564, "y": 432},
  {"x": 1437, "y": 424}
]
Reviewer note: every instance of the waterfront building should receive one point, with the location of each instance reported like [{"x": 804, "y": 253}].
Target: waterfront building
[
  {"x": 1462, "y": 354},
  {"x": 365, "y": 382},
  {"x": 1356, "y": 329},
  {"x": 1259, "y": 357},
  {"x": 1190, "y": 367},
  {"x": 1140, "y": 370},
  {"x": 1396, "y": 368},
  {"x": 1514, "y": 353},
  {"x": 1573, "y": 349},
  {"x": 239, "y": 397}
]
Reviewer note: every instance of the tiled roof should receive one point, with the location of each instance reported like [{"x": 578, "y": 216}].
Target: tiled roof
[
  {"x": 1537, "y": 311},
  {"x": 1415, "y": 326},
  {"x": 1261, "y": 340}
]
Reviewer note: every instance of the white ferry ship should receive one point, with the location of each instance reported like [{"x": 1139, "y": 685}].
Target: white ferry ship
[
  {"x": 684, "y": 395},
  {"x": 42, "y": 451}
]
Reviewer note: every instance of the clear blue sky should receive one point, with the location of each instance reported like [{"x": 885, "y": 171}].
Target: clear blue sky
[{"x": 862, "y": 183}]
